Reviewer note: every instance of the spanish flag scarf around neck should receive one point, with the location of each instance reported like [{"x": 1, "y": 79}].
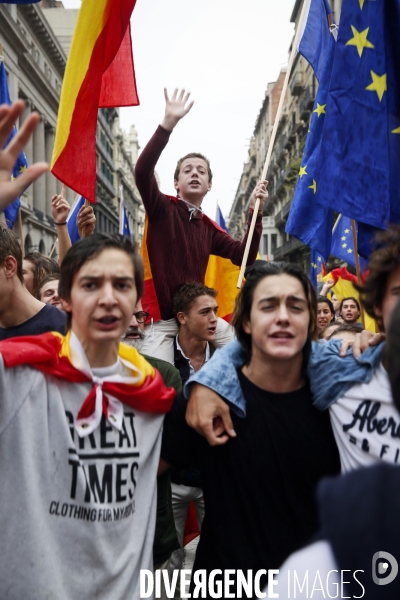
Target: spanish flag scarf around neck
[{"x": 54, "y": 354}]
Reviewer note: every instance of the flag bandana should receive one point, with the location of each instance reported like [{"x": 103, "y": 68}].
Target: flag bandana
[{"x": 64, "y": 357}]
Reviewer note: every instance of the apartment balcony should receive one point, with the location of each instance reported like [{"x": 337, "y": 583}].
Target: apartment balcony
[
  {"x": 287, "y": 247},
  {"x": 297, "y": 84},
  {"x": 306, "y": 103},
  {"x": 280, "y": 217}
]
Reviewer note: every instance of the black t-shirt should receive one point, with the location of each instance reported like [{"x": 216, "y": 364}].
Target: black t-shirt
[
  {"x": 49, "y": 318},
  {"x": 259, "y": 488}
]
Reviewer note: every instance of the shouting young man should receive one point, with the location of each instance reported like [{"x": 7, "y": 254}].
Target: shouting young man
[
  {"x": 80, "y": 435},
  {"x": 179, "y": 238}
]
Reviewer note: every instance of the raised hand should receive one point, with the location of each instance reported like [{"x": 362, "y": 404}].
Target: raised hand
[
  {"x": 10, "y": 190},
  {"x": 176, "y": 107},
  {"x": 60, "y": 208},
  {"x": 86, "y": 221},
  {"x": 260, "y": 191}
]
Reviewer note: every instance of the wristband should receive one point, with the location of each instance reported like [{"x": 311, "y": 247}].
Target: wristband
[
  {"x": 55, "y": 223},
  {"x": 259, "y": 214}
]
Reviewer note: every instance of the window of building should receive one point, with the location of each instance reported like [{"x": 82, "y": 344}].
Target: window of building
[
  {"x": 265, "y": 244},
  {"x": 274, "y": 242}
]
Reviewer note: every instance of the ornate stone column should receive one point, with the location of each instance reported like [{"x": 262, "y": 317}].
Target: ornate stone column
[
  {"x": 39, "y": 154},
  {"x": 52, "y": 184},
  {"x": 29, "y": 153}
]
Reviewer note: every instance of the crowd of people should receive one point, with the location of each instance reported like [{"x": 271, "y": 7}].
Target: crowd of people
[{"x": 122, "y": 406}]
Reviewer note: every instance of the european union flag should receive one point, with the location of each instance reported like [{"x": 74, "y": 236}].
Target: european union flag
[
  {"x": 309, "y": 222},
  {"x": 317, "y": 267},
  {"x": 220, "y": 219},
  {"x": 342, "y": 243},
  {"x": 359, "y": 174},
  {"x": 11, "y": 211},
  {"x": 124, "y": 228},
  {"x": 71, "y": 220}
]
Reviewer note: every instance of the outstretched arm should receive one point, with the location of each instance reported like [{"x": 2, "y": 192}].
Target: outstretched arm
[
  {"x": 176, "y": 108},
  {"x": 10, "y": 190},
  {"x": 154, "y": 201}
]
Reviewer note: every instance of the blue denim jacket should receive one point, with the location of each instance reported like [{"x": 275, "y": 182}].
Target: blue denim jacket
[{"x": 330, "y": 375}]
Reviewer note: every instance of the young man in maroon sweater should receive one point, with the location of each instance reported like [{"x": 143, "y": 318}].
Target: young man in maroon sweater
[{"x": 180, "y": 238}]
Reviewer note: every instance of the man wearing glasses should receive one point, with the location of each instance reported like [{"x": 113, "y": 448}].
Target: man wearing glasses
[{"x": 135, "y": 334}]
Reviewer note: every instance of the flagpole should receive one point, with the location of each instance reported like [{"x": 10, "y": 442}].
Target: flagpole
[
  {"x": 53, "y": 248},
  {"x": 272, "y": 140},
  {"x": 358, "y": 269},
  {"x": 336, "y": 224},
  {"x": 21, "y": 236}
]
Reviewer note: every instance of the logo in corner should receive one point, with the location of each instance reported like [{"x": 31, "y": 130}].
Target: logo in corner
[{"x": 384, "y": 568}]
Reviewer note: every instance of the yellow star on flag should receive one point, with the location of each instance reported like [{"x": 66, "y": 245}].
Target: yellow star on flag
[
  {"x": 319, "y": 259},
  {"x": 361, "y": 2},
  {"x": 349, "y": 250},
  {"x": 313, "y": 186},
  {"x": 302, "y": 171},
  {"x": 320, "y": 110},
  {"x": 359, "y": 40},
  {"x": 347, "y": 230},
  {"x": 378, "y": 85},
  {"x": 344, "y": 245},
  {"x": 12, "y": 177},
  {"x": 396, "y": 130},
  {"x": 314, "y": 266},
  {"x": 22, "y": 168},
  {"x": 343, "y": 238}
]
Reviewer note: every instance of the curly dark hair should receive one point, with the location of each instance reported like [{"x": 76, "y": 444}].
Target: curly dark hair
[
  {"x": 42, "y": 266},
  {"x": 384, "y": 259},
  {"x": 186, "y": 295},
  {"x": 244, "y": 301},
  {"x": 10, "y": 246}
]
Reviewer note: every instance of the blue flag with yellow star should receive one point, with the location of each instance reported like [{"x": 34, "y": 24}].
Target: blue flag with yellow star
[
  {"x": 317, "y": 267},
  {"x": 342, "y": 243},
  {"x": 11, "y": 211},
  {"x": 308, "y": 221},
  {"x": 359, "y": 169}
]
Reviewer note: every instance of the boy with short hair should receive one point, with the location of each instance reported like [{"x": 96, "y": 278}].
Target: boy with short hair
[
  {"x": 179, "y": 238},
  {"x": 80, "y": 435}
]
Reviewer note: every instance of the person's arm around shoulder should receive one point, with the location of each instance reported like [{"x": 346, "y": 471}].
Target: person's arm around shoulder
[
  {"x": 176, "y": 108},
  {"x": 226, "y": 246},
  {"x": 213, "y": 391}
]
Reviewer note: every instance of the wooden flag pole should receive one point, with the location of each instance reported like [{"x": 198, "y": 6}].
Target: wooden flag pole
[
  {"x": 358, "y": 269},
  {"x": 272, "y": 140},
  {"x": 53, "y": 248},
  {"x": 21, "y": 235}
]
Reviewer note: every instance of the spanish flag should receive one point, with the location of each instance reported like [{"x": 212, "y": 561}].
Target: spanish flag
[
  {"x": 344, "y": 288},
  {"x": 99, "y": 74}
]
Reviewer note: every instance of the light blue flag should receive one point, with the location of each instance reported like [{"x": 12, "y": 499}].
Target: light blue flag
[
  {"x": 71, "y": 220},
  {"x": 11, "y": 211},
  {"x": 307, "y": 221}
]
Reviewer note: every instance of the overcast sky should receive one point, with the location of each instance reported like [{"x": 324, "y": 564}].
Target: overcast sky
[{"x": 225, "y": 52}]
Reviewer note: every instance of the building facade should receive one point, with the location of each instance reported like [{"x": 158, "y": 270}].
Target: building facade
[
  {"x": 285, "y": 161},
  {"x": 35, "y": 54}
]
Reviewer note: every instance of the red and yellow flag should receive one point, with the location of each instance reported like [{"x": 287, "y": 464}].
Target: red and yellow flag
[
  {"x": 99, "y": 74},
  {"x": 344, "y": 287}
]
